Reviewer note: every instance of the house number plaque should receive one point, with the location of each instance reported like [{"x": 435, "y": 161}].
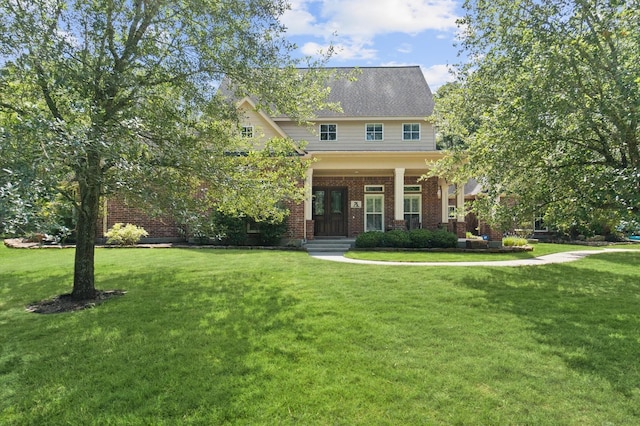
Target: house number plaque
[{"x": 356, "y": 204}]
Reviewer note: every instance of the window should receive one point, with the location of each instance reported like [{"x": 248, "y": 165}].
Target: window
[
  {"x": 374, "y": 212},
  {"x": 411, "y": 132},
  {"x": 412, "y": 188},
  {"x": 374, "y": 132},
  {"x": 412, "y": 210},
  {"x": 538, "y": 224},
  {"x": 247, "y": 131},
  {"x": 374, "y": 188},
  {"x": 328, "y": 132},
  {"x": 453, "y": 212}
]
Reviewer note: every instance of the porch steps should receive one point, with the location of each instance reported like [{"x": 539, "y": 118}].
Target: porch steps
[{"x": 330, "y": 245}]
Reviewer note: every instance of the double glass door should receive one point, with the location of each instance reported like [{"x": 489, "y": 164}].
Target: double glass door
[{"x": 330, "y": 212}]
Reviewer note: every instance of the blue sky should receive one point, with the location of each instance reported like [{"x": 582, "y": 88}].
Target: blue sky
[{"x": 379, "y": 33}]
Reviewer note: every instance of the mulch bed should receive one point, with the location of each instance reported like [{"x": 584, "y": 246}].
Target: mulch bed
[{"x": 65, "y": 303}]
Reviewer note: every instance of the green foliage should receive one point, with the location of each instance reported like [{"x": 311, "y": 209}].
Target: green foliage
[
  {"x": 125, "y": 235},
  {"x": 416, "y": 238},
  {"x": 514, "y": 242},
  {"x": 444, "y": 239},
  {"x": 271, "y": 233},
  {"x": 546, "y": 108},
  {"x": 396, "y": 238},
  {"x": 118, "y": 97},
  {"x": 369, "y": 239}
]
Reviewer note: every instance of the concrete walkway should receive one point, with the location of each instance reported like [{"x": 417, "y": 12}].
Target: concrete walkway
[{"x": 542, "y": 260}]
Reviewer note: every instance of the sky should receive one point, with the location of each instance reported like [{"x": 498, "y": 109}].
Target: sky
[{"x": 379, "y": 33}]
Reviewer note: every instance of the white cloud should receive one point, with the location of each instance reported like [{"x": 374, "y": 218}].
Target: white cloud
[
  {"x": 365, "y": 19},
  {"x": 405, "y": 48},
  {"x": 437, "y": 75}
]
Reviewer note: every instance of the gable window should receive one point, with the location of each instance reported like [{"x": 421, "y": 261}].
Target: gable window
[
  {"x": 328, "y": 132},
  {"x": 411, "y": 132},
  {"x": 246, "y": 131},
  {"x": 374, "y": 132}
]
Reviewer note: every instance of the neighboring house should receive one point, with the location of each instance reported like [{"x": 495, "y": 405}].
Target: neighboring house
[{"x": 368, "y": 158}]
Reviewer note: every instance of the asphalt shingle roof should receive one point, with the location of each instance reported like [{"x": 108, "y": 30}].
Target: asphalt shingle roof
[
  {"x": 381, "y": 92},
  {"x": 376, "y": 92}
]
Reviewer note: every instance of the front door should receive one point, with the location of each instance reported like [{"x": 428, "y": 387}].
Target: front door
[{"x": 330, "y": 212}]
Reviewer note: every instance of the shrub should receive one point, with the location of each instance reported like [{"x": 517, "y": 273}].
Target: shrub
[
  {"x": 271, "y": 233},
  {"x": 444, "y": 239},
  {"x": 229, "y": 229},
  {"x": 421, "y": 238},
  {"x": 127, "y": 235},
  {"x": 369, "y": 239},
  {"x": 396, "y": 238},
  {"x": 417, "y": 238},
  {"x": 514, "y": 242}
]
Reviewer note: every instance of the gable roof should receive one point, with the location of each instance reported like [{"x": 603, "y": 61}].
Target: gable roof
[
  {"x": 381, "y": 92},
  {"x": 392, "y": 92}
]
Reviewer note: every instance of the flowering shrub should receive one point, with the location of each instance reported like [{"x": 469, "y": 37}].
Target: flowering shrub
[{"x": 127, "y": 235}]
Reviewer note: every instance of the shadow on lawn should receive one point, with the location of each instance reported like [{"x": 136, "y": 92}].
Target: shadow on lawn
[
  {"x": 589, "y": 317},
  {"x": 172, "y": 348}
]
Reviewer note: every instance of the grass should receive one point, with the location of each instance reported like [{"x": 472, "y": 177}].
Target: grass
[
  {"x": 253, "y": 337},
  {"x": 539, "y": 249}
]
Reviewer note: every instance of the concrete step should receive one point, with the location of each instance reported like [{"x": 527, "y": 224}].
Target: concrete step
[{"x": 330, "y": 245}]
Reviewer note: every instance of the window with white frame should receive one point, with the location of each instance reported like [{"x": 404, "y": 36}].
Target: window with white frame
[
  {"x": 328, "y": 132},
  {"x": 411, "y": 132},
  {"x": 374, "y": 212},
  {"x": 374, "y": 132},
  {"x": 373, "y": 188},
  {"x": 246, "y": 131},
  {"x": 412, "y": 211}
]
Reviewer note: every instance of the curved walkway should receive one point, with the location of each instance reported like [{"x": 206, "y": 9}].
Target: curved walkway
[{"x": 547, "y": 259}]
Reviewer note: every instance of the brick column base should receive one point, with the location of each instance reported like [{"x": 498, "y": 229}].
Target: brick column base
[
  {"x": 460, "y": 229},
  {"x": 493, "y": 234},
  {"x": 310, "y": 224}
]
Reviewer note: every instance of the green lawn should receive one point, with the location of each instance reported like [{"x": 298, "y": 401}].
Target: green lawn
[{"x": 266, "y": 337}]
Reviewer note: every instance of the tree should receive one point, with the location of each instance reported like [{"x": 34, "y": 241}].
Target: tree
[
  {"x": 119, "y": 97},
  {"x": 553, "y": 91}
]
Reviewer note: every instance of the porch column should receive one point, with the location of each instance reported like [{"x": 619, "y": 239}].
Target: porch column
[
  {"x": 460, "y": 202},
  {"x": 444, "y": 200},
  {"x": 308, "y": 192},
  {"x": 398, "y": 193}
]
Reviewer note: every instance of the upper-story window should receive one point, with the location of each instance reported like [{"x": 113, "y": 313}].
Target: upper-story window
[
  {"x": 246, "y": 131},
  {"x": 328, "y": 132},
  {"x": 411, "y": 132},
  {"x": 374, "y": 132}
]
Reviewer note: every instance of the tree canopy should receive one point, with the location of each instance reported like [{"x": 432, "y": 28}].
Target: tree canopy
[
  {"x": 119, "y": 97},
  {"x": 547, "y": 109}
]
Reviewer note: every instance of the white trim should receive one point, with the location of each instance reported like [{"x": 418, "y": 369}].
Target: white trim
[
  {"x": 268, "y": 119},
  {"x": 366, "y": 132},
  {"x": 419, "y": 132},
  {"x": 417, "y": 196},
  {"x": 327, "y": 132},
  {"x": 381, "y": 213},
  {"x": 372, "y": 189}
]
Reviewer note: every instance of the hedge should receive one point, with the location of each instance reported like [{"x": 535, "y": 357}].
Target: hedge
[{"x": 416, "y": 238}]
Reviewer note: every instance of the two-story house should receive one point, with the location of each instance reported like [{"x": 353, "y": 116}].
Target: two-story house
[{"x": 368, "y": 158}]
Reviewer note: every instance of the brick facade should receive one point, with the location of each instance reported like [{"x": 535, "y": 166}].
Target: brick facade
[{"x": 158, "y": 228}]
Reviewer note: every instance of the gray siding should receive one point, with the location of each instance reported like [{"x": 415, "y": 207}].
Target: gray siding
[{"x": 351, "y": 136}]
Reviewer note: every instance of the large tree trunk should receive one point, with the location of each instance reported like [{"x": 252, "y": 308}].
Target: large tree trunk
[{"x": 83, "y": 277}]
